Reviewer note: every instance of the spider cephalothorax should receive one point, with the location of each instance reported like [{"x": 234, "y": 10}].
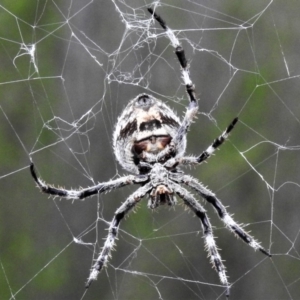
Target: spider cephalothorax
[{"x": 150, "y": 141}]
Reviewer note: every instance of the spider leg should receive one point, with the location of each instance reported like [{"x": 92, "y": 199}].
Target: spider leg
[
  {"x": 211, "y": 149},
  {"x": 192, "y": 109},
  {"x": 210, "y": 243},
  {"x": 192, "y": 160},
  {"x": 222, "y": 212},
  {"x": 179, "y": 51},
  {"x": 83, "y": 193},
  {"x": 113, "y": 230}
]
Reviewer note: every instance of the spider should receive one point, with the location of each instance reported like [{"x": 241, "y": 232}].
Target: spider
[{"x": 150, "y": 140}]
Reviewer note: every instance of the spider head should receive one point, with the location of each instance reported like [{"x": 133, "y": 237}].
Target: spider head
[{"x": 145, "y": 125}]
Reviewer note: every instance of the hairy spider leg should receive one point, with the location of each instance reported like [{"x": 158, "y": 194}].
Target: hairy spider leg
[
  {"x": 210, "y": 150},
  {"x": 210, "y": 243},
  {"x": 216, "y": 143},
  {"x": 179, "y": 51},
  {"x": 192, "y": 109},
  {"x": 120, "y": 213},
  {"x": 222, "y": 212},
  {"x": 87, "y": 192}
]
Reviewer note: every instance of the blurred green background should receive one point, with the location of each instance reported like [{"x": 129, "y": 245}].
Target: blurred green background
[{"x": 59, "y": 107}]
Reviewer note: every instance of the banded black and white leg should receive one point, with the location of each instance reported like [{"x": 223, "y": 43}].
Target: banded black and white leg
[
  {"x": 103, "y": 187},
  {"x": 192, "y": 108},
  {"x": 210, "y": 243},
  {"x": 211, "y": 149},
  {"x": 125, "y": 208},
  {"x": 216, "y": 143},
  {"x": 221, "y": 210},
  {"x": 195, "y": 160}
]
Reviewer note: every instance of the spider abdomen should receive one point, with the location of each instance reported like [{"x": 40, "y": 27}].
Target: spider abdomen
[
  {"x": 153, "y": 144},
  {"x": 146, "y": 125}
]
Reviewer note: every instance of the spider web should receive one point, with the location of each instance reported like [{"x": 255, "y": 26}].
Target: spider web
[{"x": 68, "y": 70}]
